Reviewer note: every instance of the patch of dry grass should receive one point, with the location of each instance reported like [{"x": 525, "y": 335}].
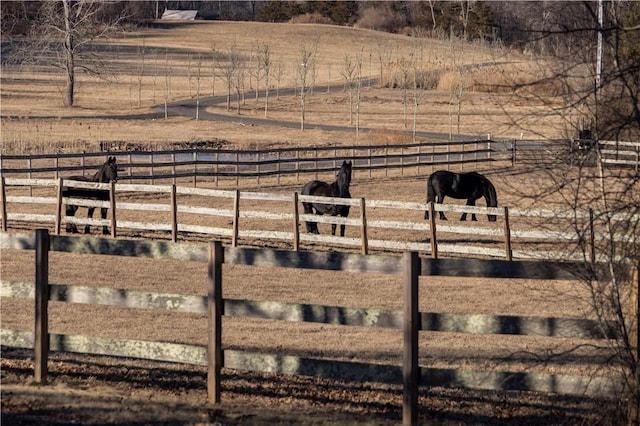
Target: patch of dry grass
[{"x": 34, "y": 120}]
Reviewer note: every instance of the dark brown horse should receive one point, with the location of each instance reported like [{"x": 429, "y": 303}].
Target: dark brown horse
[
  {"x": 339, "y": 188},
  {"x": 108, "y": 172},
  {"x": 469, "y": 185}
]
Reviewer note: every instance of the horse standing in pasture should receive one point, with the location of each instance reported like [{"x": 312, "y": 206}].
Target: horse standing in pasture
[
  {"x": 108, "y": 172},
  {"x": 339, "y": 188},
  {"x": 469, "y": 185}
]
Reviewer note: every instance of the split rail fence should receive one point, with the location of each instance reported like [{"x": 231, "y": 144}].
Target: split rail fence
[
  {"x": 215, "y": 164},
  {"x": 276, "y": 218},
  {"x": 410, "y": 320}
]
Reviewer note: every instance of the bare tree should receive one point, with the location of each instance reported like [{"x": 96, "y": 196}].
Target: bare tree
[
  {"x": 600, "y": 99},
  {"x": 61, "y": 36},
  {"x": 417, "y": 77},
  {"x": 167, "y": 84},
  {"x": 229, "y": 67},
  {"x": 305, "y": 57},
  {"x": 349, "y": 74},
  {"x": 280, "y": 72},
  {"x": 198, "y": 77},
  {"x": 383, "y": 54},
  {"x": 265, "y": 64}
]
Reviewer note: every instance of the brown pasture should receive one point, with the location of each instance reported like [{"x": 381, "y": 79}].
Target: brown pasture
[{"x": 128, "y": 390}]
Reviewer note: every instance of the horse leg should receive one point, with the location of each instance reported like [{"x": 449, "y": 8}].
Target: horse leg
[
  {"x": 470, "y": 202},
  {"x": 312, "y": 227},
  {"x": 440, "y": 200},
  {"x": 103, "y": 215},
  {"x": 87, "y": 228},
  {"x": 71, "y": 211}
]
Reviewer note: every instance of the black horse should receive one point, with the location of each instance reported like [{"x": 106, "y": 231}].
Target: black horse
[
  {"x": 339, "y": 188},
  {"x": 108, "y": 172},
  {"x": 470, "y": 185}
]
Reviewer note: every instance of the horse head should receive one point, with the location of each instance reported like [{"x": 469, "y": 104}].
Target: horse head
[
  {"x": 343, "y": 178},
  {"x": 109, "y": 171}
]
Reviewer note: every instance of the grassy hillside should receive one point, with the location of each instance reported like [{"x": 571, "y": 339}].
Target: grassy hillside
[{"x": 467, "y": 90}]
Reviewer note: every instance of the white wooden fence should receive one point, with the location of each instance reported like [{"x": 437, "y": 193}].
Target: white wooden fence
[{"x": 518, "y": 233}]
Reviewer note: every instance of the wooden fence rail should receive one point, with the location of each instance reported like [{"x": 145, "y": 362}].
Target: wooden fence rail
[
  {"x": 214, "y": 164},
  {"x": 410, "y": 320},
  {"x": 509, "y": 239}
]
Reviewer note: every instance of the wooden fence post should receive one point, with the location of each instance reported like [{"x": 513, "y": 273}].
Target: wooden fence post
[
  {"x": 298, "y": 165},
  {"x": 174, "y": 214},
  {"x": 217, "y": 159},
  {"x": 363, "y": 219},
  {"x": 237, "y": 168},
  {"x": 58, "y": 224},
  {"x": 130, "y": 166},
  {"x": 507, "y": 235},
  {"x": 41, "y": 328},
  {"x": 236, "y": 218},
  {"x": 29, "y": 176},
  {"x": 3, "y": 201},
  {"x": 278, "y": 155},
  {"x": 214, "y": 311},
  {"x": 112, "y": 202},
  {"x": 151, "y": 179},
  {"x": 411, "y": 326},
  {"x": 432, "y": 226},
  {"x": 489, "y": 146},
  {"x": 195, "y": 167},
  {"x": 296, "y": 223},
  {"x": 386, "y": 160},
  {"x": 257, "y": 157},
  {"x": 173, "y": 166}
]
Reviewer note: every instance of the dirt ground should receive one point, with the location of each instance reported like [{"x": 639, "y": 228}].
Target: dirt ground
[
  {"x": 101, "y": 390},
  {"x": 112, "y": 390}
]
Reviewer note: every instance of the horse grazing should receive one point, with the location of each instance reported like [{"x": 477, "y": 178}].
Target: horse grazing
[
  {"x": 470, "y": 185},
  {"x": 108, "y": 172},
  {"x": 339, "y": 188}
]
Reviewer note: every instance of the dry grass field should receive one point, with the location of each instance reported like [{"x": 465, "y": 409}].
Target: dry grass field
[
  {"x": 97, "y": 390},
  {"x": 139, "y": 83}
]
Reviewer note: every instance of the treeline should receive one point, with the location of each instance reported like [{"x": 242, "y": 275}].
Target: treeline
[{"x": 547, "y": 27}]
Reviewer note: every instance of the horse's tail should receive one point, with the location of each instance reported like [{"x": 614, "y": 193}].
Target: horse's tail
[{"x": 491, "y": 197}]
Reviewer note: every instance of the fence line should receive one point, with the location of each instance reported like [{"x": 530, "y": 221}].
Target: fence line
[
  {"x": 411, "y": 320},
  {"x": 214, "y": 164},
  {"x": 508, "y": 239},
  {"x": 256, "y": 164}
]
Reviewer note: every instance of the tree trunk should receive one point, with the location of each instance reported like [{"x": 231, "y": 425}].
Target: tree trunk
[{"x": 69, "y": 55}]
